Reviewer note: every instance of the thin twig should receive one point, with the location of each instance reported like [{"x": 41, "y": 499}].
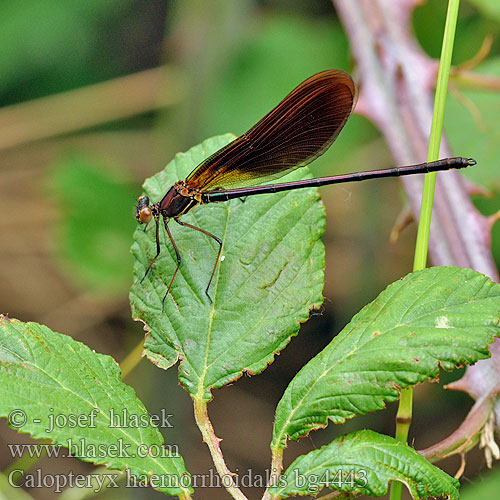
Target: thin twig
[
  {"x": 213, "y": 443},
  {"x": 468, "y": 433},
  {"x": 276, "y": 468},
  {"x": 89, "y": 106},
  {"x": 476, "y": 81},
  {"x": 479, "y": 57},
  {"x": 132, "y": 359}
]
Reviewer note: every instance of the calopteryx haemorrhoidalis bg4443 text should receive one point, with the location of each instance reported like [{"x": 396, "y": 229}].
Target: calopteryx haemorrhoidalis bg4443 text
[{"x": 298, "y": 130}]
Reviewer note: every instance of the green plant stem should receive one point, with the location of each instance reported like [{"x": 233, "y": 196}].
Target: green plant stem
[
  {"x": 132, "y": 359},
  {"x": 276, "y": 468},
  {"x": 212, "y": 441},
  {"x": 404, "y": 415},
  {"x": 89, "y": 106},
  {"x": 435, "y": 137}
]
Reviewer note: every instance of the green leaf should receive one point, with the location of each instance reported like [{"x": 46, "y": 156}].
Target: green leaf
[
  {"x": 428, "y": 26},
  {"x": 486, "y": 485},
  {"x": 269, "y": 279},
  {"x": 475, "y": 131},
  {"x": 364, "y": 462},
  {"x": 52, "y": 45},
  {"x": 51, "y": 385},
  {"x": 439, "y": 316},
  {"x": 490, "y": 8},
  {"x": 93, "y": 232}
]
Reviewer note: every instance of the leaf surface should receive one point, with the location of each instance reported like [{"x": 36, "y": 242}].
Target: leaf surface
[
  {"x": 270, "y": 276},
  {"x": 51, "y": 385},
  {"x": 442, "y": 316},
  {"x": 365, "y": 462}
]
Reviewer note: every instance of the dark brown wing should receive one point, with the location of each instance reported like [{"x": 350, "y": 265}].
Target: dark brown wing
[{"x": 298, "y": 130}]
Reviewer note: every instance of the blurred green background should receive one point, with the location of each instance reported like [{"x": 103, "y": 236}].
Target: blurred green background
[{"x": 97, "y": 95}]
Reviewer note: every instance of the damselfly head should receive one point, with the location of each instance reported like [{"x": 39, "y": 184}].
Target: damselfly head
[{"x": 143, "y": 212}]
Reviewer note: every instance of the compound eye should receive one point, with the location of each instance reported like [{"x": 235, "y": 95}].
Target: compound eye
[{"x": 145, "y": 215}]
